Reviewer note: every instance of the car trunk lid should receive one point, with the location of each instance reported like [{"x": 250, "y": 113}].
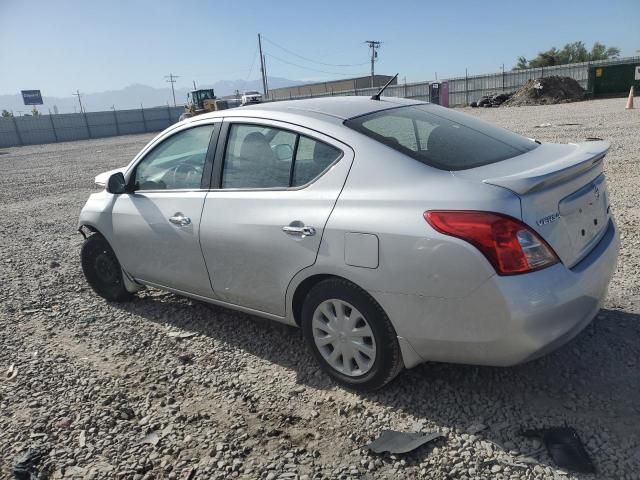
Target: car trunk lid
[{"x": 563, "y": 193}]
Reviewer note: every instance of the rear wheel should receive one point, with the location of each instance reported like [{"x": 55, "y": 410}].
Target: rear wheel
[
  {"x": 350, "y": 335},
  {"x": 102, "y": 269}
]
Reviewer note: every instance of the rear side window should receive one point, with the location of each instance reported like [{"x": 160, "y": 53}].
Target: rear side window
[
  {"x": 312, "y": 158},
  {"x": 259, "y": 157},
  {"x": 440, "y": 137}
]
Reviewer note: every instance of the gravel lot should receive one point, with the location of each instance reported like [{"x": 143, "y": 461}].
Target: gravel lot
[{"x": 107, "y": 391}]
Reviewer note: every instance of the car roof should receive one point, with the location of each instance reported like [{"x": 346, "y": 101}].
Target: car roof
[
  {"x": 338, "y": 108},
  {"x": 341, "y": 107}
]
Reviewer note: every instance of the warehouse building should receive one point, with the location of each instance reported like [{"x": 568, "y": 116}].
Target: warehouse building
[{"x": 324, "y": 88}]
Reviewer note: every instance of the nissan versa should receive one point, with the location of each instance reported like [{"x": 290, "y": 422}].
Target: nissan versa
[{"x": 393, "y": 232}]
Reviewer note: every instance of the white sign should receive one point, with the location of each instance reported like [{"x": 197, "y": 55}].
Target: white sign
[{"x": 638, "y": 72}]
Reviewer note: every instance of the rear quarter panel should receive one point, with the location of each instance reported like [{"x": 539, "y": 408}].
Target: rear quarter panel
[{"x": 386, "y": 194}]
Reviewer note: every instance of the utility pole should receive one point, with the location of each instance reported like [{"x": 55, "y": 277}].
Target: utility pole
[
  {"x": 266, "y": 76},
  {"x": 374, "y": 45},
  {"x": 78, "y": 94},
  {"x": 171, "y": 78},
  {"x": 262, "y": 69}
]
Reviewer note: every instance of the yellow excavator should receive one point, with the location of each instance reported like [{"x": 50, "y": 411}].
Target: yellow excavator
[{"x": 202, "y": 101}]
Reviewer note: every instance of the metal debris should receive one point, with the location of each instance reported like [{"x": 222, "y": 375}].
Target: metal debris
[{"x": 401, "y": 442}]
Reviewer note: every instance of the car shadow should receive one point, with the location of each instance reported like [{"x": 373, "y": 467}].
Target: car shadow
[{"x": 592, "y": 383}]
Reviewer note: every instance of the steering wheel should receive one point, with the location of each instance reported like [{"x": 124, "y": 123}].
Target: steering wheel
[{"x": 185, "y": 174}]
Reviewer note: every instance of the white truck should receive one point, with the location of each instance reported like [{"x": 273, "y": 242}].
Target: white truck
[{"x": 249, "y": 98}]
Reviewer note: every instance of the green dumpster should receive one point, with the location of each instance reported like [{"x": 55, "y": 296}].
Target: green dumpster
[{"x": 614, "y": 80}]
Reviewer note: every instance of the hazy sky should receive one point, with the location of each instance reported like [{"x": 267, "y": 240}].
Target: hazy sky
[{"x": 59, "y": 46}]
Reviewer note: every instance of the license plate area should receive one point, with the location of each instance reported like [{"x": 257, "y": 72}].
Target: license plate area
[{"x": 585, "y": 214}]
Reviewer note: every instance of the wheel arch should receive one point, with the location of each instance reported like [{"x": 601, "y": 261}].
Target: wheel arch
[
  {"x": 300, "y": 290},
  {"x": 88, "y": 226},
  {"x": 129, "y": 282}
]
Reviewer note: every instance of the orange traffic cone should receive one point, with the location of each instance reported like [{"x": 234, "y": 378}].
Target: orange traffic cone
[{"x": 630, "y": 99}]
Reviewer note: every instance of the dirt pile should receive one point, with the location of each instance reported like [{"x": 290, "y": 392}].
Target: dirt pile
[{"x": 547, "y": 91}]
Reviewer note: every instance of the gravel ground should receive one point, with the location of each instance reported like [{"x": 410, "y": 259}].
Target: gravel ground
[{"x": 110, "y": 391}]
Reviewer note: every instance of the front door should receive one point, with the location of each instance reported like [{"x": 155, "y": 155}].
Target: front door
[
  {"x": 156, "y": 228},
  {"x": 277, "y": 187}
]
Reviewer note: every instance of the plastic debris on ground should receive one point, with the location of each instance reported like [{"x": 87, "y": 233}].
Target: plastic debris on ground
[
  {"x": 186, "y": 474},
  {"x": 25, "y": 467},
  {"x": 12, "y": 372},
  {"x": 181, "y": 335},
  {"x": 401, "y": 442},
  {"x": 564, "y": 447}
]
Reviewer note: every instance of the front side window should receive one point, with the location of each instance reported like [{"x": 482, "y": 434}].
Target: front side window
[
  {"x": 441, "y": 138},
  {"x": 265, "y": 157},
  {"x": 177, "y": 163}
]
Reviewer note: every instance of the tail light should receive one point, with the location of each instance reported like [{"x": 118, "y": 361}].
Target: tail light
[{"x": 509, "y": 245}]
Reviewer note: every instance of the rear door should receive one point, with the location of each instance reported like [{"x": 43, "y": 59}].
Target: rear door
[{"x": 277, "y": 185}]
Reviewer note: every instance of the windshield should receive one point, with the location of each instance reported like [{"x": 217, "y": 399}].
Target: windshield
[{"x": 440, "y": 137}]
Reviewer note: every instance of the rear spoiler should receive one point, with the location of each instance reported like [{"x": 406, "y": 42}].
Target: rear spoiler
[{"x": 587, "y": 155}]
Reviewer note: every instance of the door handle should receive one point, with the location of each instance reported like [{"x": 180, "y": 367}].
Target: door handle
[
  {"x": 180, "y": 219},
  {"x": 299, "y": 231}
]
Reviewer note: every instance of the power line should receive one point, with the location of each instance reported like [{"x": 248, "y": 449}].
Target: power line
[
  {"x": 253, "y": 64},
  {"x": 374, "y": 45},
  {"x": 314, "y": 61},
  {"x": 171, "y": 78},
  {"x": 313, "y": 69}
]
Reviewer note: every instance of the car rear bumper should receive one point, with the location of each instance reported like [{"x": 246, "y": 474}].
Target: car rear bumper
[{"x": 507, "y": 320}]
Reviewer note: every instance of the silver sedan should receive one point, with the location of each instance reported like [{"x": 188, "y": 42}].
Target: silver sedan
[{"x": 393, "y": 232}]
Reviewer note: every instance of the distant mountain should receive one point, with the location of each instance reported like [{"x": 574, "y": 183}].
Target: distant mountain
[{"x": 132, "y": 96}]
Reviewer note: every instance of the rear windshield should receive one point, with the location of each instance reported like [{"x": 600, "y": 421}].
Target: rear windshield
[{"x": 440, "y": 137}]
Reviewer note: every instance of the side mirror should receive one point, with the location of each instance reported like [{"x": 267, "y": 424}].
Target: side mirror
[{"x": 116, "y": 184}]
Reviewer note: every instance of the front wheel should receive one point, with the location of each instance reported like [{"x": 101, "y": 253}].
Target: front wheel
[
  {"x": 102, "y": 269},
  {"x": 350, "y": 335}
]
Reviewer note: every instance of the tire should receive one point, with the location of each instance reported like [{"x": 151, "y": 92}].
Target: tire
[
  {"x": 102, "y": 269},
  {"x": 382, "y": 366}
]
